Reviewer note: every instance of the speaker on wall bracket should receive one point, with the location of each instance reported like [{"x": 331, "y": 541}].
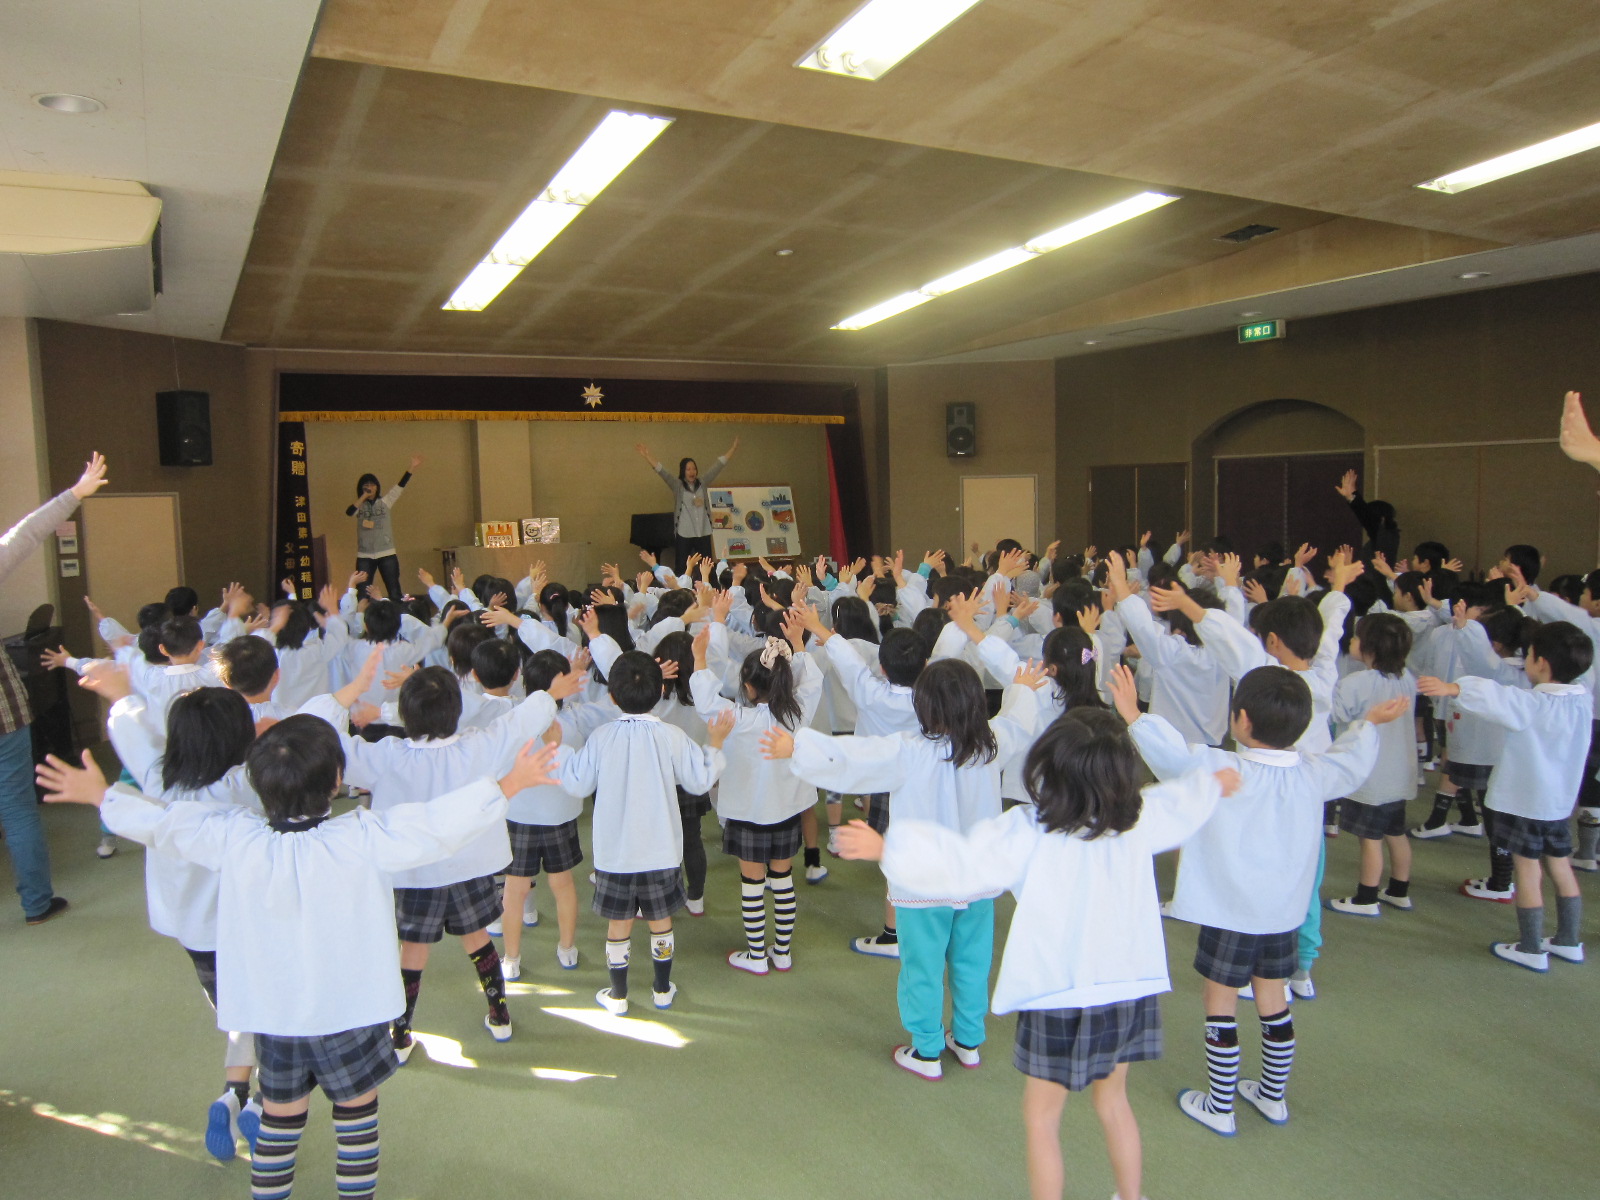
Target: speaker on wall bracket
[
  {"x": 961, "y": 429},
  {"x": 183, "y": 428}
]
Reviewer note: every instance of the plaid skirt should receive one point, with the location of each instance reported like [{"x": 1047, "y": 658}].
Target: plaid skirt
[
  {"x": 1527, "y": 838},
  {"x": 877, "y": 812},
  {"x": 753, "y": 843},
  {"x": 1467, "y": 775},
  {"x": 554, "y": 847},
  {"x": 1231, "y": 958},
  {"x": 1373, "y": 821},
  {"x": 653, "y": 895},
  {"x": 690, "y": 805},
  {"x": 427, "y": 914},
  {"x": 344, "y": 1065},
  {"x": 1076, "y": 1046}
]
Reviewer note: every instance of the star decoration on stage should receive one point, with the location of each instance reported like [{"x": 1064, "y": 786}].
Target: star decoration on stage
[{"x": 592, "y": 396}]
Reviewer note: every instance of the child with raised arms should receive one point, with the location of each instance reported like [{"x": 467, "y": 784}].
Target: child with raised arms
[{"x": 1084, "y": 960}]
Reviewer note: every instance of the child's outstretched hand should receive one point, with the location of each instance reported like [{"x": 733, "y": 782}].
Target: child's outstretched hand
[
  {"x": 1229, "y": 567},
  {"x": 1089, "y": 619},
  {"x": 718, "y": 728},
  {"x": 1578, "y": 441},
  {"x": 393, "y": 681},
  {"x": 777, "y": 742},
  {"x": 531, "y": 769},
  {"x": 860, "y": 841},
  {"x": 599, "y": 597},
  {"x": 702, "y": 648},
  {"x": 669, "y": 667},
  {"x": 567, "y": 684},
  {"x": 1031, "y": 674},
  {"x": 1228, "y": 780},
  {"x": 1026, "y": 606},
  {"x": 495, "y": 617},
  {"x": 589, "y": 622},
  {"x": 1347, "y": 485},
  {"x": 1430, "y": 685},
  {"x": 1389, "y": 710},
  {"x": 425, "y": 578},
  {"x": 648, "y": 559},
  {"x": 66, "y": 784},
  {"x": 109, "y": 681},
  {"x": 94, "y": 610},
  {"x": 362, "y": 714},
  {"x": 1125, "y": 693},
  {"x": 1254, "y": 592},
  {"x": 51, "y": 659},
  {"x": 369, "y": 670},
  {"x": 1304, "y": 554}
]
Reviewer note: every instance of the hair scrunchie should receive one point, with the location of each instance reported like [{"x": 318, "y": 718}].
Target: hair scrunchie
[
  {"x": 775, "y": 649},
  {"x": 1090, "y": 655}
]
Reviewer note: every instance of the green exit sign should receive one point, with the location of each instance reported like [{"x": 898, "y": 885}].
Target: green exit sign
[{"x": 1261, "y": 331}]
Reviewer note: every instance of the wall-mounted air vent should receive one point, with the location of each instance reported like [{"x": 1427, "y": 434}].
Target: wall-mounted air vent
[{"x": 1247, "y": 233}]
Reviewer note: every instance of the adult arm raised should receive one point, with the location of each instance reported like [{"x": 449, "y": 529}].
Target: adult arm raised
[{"x": 23, "y": 538}]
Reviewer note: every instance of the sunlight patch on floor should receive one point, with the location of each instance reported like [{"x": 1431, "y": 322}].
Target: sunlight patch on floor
[{"x": 639, "y": 1030}]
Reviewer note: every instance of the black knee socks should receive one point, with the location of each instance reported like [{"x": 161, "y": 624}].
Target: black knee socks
[{"x": 412, "y": 982}]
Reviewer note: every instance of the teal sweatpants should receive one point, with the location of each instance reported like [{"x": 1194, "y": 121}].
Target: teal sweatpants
[
  {"x": 930, "y": 940},
  {"x": 1311, "y": 931}
]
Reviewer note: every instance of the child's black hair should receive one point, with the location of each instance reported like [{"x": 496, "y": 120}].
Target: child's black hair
[
  {"x": 246, "y": 664},
  {"x": 1071, "y": 598},
  {"x": 150, "y": 645},
  {"x": 1568, "y": 587},
  {"x": 556, "y": 601},
  {"x": 1278, "y": 703},
  {"x": 853, "y": 618},
  {"x": 1387, "y": 639},
  {"x": 950, "y": 703},
  {"x": 294, "y": 767},
  {"x": 296, "y": 628},
  {"x": 1435, "y": 554},
  {"x": 1526, "y": 559},
  {"x": 902, "y": 654},
  {"x": 154, "y": 615},
  {"x": 1410, "y": 583},
  {"x": 1083, "y": 775},
  {"x": 613, "y": 620},
  {"x": 677, "y": 647},
  {"x": 209, "y": 731},
  {"x": 485, "y": 587},
  {"x": 465, "y": 636},
  {"x": 1273, "y": 552},
  {"x": 1508, "y": 630},
  {"x": 430, "y": 704},
  {"x": 1565, "y": 647},
  {"x": 381, "y": 621},
  {"x": 421, "y": 608},
  {"x": 773, "y": 686},
  {"x": 945, "y": 588},
  {"x": 1162, "y": 574},
  {"x": 181, "y": 634},
  {"x": 929, "y": 624},
  {"x": 1217, "y": 545},
  {"x": 1294, "y": 619},
  {"x": 495, "y": 662},
  {"x": 182, "y": 601},
  {"x": 671, "y": 604},
  {"x": 1179, "y": 622},
  {"x": 541, "y": 669},
  {"x": 1075, "y": 678},
  {"x": 635, "y": 682}
]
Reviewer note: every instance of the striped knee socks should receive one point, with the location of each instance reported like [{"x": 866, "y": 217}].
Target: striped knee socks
[
  {"x": 1277, "y": 1054},
  {"x": 782, "y": 910},
  {"x": 272, "y": 1163},
  {"x": 356, "y": 1131},
  {"x": 1222, "y": 1061},
  {"x": 753, "y": 902}
]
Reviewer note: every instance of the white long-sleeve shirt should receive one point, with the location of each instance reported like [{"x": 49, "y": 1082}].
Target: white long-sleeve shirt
[
  {"x": 397, "y": 656},
  {"x": 1547, "y": 737},
  {"x": 633, "y": 766},
  {"x": 306, "y": 671},
  {"x": 549, "y": 803},
  {"x": 1394, "y": 775},
  {"x": 916, "y": 771},
  {"x": 1190, "y": 688},
  {"x": 1547, "y": 606},
  {"x": 160, "y": 684},
  {"x": 1087, "y": 927},
  {"x": 1252, "y": 866},
  {"x": 401, "y": 771},
  {"x": 1003, "y": 662},
  {"x": 753, "y": 788},
  {"x": 305, "y": 920}
]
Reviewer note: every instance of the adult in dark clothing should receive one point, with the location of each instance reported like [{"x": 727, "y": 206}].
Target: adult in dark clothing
[{"x": 1377, "y": 518}]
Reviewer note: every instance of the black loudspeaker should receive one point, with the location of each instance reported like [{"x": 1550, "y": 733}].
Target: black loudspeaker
[
  {"x": 960, "y": 430},
  {"x": 183, "y": 426}
]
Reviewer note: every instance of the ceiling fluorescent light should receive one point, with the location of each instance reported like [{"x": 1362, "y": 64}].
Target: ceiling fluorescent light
[
  {"x": 1073, "y": 231},
  {"x": 1517, "y": 161},
  {"x": 879, "y": 34},
  {"x": 604, "y": 155}
]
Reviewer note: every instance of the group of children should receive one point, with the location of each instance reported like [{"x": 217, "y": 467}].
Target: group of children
[{"x": 985, "y": 707}]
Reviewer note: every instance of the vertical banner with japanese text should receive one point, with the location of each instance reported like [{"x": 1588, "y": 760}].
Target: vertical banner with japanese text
[{"x": 292, "y": 549}]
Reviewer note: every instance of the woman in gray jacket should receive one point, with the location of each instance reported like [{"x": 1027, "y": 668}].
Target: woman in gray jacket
[
  {"x": 375, "y": 552},
  {"x": 692, "y": 520}
]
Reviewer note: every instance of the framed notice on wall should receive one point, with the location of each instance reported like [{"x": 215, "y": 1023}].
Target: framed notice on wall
[{"x": 753, "y": 522}]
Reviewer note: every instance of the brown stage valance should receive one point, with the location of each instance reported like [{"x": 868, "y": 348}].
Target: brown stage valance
[{"x": 434, "y": 414}]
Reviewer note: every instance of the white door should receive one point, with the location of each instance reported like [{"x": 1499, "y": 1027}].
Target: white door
[{"x": 999, "y": 506}]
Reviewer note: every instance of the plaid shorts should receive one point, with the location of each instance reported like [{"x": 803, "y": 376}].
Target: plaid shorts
[
  {"x": 1373, "y": 821},
  {"x": 427, "y": 914},
  {"x": 1076, "y": 1046},
  {"x": 554, "y": 847},
  {"x": 653, "y": 895},
  {"x": 877, "y": 812},
  {"x": 753, "y": 843},
  {"x": 344, "y": 1065},
  {"x": 1467, "y": 775},
  {"x": 1231, "y": 958},
  {"x": 690, "y": 805},
  {"x": 1527, "y": 838}
]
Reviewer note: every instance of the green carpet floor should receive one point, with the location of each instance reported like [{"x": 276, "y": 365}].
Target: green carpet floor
[{"x": 1426, "y": 1068}]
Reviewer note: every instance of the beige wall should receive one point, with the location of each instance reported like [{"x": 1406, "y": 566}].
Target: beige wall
[
  {"x": 1484, "y": 366},
  {"x": 1016, "y": 418},
  {"x": 24, "y": 473},
  {"x": 586, "y": 473}
]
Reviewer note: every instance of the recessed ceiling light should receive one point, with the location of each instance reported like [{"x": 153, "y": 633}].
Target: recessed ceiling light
[
  {"x": 879, "y": 34},
  {"x": 1517, "y": 161},
  {"x": 1065, "y": 235},
  {"x": 783, "y": 253},
  {"x": 1473, "y": 275},
  {"x": 67, "y": 102},
  {"x": 1254, "y": 312},
  {"x": 1092, "y": 342},
  {"x": 604, "y": 155}
]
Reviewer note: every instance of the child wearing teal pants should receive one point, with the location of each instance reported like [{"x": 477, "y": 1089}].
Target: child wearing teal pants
[{"x": 932, "y": 938}]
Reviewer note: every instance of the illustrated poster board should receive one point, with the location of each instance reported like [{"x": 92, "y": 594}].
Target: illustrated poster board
[{"x": 753, "y": 522}]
